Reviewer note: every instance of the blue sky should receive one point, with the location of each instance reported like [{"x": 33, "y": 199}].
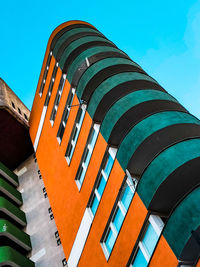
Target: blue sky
[{"x": 162, "y": 36}]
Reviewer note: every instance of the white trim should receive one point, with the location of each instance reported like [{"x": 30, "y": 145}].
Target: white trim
[
  {"x": 112, "y": 151},
  {"x": 38, "y": 255},
  {"x": 157, "y": 223},
  {"x": 37, "y": 138},
  {"x": 80, "y": 239},
  {"x": 144, "y": 251}
]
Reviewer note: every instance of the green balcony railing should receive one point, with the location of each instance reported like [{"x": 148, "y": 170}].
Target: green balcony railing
[
  {"x": 10, "y": 191},
  {"x": 9, "y": 256},
  {"x": 12, "y": 211},
  {"x": 9, "y": 175},
  {"x": 7, "y": 229}
]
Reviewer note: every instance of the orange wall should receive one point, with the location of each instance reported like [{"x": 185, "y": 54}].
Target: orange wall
[
  {"x": 67, "y": 203},
  {"x": 130, "y": 230},
  {"x": 163, "y": 255}
]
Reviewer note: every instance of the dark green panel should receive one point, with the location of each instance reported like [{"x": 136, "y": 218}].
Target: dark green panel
[
  {"x": 127, "y": 102},
  {"x": 164, "y": 164},
  {"x": 68, "y": 34},
  {"x": 183, "y": 220},
  {"x": 98, "y": 66},
  {"x": 9, "y": 175},
  {"x": 147, "y": 127},
  {"x": 10, "y": 191},
  {"x": 110, "y": 83},
  {"x": 15, "y": 234},
  {"x": 9, "y": 255},
  {"x": 78, "y": 43},
  {"x": 11, "y": 210},
  {"x": 86, "y": 54}
]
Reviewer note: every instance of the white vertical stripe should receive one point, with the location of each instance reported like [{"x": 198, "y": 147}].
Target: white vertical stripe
[
  {"x": 44, "y": 111},
  {"x": 80, "y": 239}
]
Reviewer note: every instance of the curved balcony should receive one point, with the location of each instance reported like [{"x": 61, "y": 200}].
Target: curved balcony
[{"x": 10, "y": 256}]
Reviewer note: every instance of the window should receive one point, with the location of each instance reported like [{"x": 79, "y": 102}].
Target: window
[
  {"x": 25, "y": 116},
  {"x": 65, "y": 115},
  {"x": 19, "y": 110},
  {"x": 102, "y": 180},
  {"x": 13, "y": 105},
  {"x": 87, "y": 155},
  {"x": 57, "y": 99},
  {"x": 45, "y": 74},
  {"x": 75, "y": 133},
  {"x": 118, "y": 214},
  {"x": 148, "y": 242},
  {"x": 64, "y": 262},
  {"x": 46, "y": 103}
]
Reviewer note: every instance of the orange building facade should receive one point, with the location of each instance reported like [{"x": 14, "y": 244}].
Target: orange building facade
[{"x": 118, "y": 155}]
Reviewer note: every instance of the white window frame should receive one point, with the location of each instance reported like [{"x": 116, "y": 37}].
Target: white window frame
[
  {"x": 45, "y": 74},
  {"x": 76, "y": 127},
  {"x": 128, "y": 182},
  {"x": 57, "y": 102},
  {"x": 89, "y": 149},
  {"x": 64, "y": 120},
  {"x": 158, "y": 225},
  {"x": 111, "y": 152}
]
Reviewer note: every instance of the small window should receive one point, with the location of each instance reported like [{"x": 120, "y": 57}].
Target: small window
[
  {"x": 101, "y": 180},
  {"x": 19, "y": 110},
  {"x": 26, "y": 118},
  {"x": 149, "y": 239},
  {"x": 65, "y": 115},
  {"x": 56, "y": 234},
  {"x": 51, "y": 216},
  {"x": 49, "y": 210},
  {"x": 87, "y": 155},
  {"x": 45, "y": 195},
  {"x": 58, "y": 242},
  {"x": 118, "y": 214},
  {"x": 75, "y": 133},
  {"x": 13, "y": 105},
  {"x": 44, "y": 189},
  {"x": 64, "y": 262}
]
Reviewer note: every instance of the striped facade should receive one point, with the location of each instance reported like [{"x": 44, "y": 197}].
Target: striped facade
[{"x": 119, "y": 156}]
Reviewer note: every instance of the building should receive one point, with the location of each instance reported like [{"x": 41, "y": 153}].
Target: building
[
  {"x": 119, "y": 158},
  {"x": 28, "y": 233}
]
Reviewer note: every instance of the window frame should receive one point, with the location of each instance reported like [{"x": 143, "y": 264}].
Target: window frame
[
  {"x": 41, "y": 90},
  {"x": 51, "y": 84},
  {"x": 130, "y": 182},
  {"x": 82, "y": 169},
  {"x": 57, "y": 99},
  {"x": 75, "y": 133},
  {"x": 65, "y": 115},
  {"x": 158, "y": 224},
  {"x": 111, "y": 151}
]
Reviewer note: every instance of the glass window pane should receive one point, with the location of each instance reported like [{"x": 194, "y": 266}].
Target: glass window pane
[
  {"x": 110, "y": 240},
  {"x": 65, "y": 115},
  {"x": 101, "y": 185},
  {"x": 94, "y": 205},
  {"x": 118, "y": 219},
  {"x": 82, "y": 175},
  {"x": 108, "y": 165},
  {"x": 127, "y": 197},
  {"x": 93, "y": 138},
  {"x": 140, "y": 260},
  {"x": 62, "y": 129},
  {"x": 150, "y": 239},
  {"x": 87, "y": 157}
]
